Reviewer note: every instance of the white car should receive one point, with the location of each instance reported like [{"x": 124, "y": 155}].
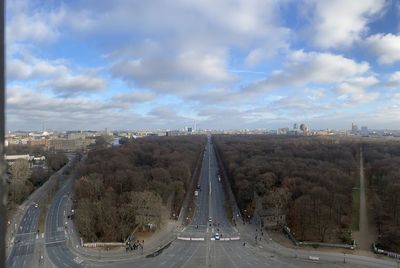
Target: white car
[
  {"x": 216, "y": 236},
  {"x": 36, "y": 205},
  {"x": 209, "y": 219},
  {"x": 313, "y": 258}
]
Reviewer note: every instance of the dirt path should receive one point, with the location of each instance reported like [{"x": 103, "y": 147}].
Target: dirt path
[{"x": 366, "y": 233}]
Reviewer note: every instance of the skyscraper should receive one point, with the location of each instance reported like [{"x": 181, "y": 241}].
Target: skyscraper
[{"x": 354, "y": 128}]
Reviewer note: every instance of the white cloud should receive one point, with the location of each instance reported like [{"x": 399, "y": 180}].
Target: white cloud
[
  {"x": 184, "y": 73},
  {"x": 133, "y": 97},
  {"x": 354, "y": 90},
  {"x": 386, "y": 47},
  {"x": 394, "y": 79},
  {"x": 69, "y": 85},
  {"x": 27, "y": 109},
  {"x": 303, "y": 68},
  {"x": 29, "y": 67},
  {"x": 338, "y": 23},
  {"x": 27, "y": 23}
]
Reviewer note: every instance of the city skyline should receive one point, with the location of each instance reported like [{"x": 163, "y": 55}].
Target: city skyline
[{"x": 251, "y": 64}]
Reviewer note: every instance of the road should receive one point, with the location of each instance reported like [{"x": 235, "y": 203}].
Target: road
[
  {"x": 365, "y": 236},
  {"x": 195, "y": 245},
  {"x": 24, "y": 241},
  {"x": 55, "y": 238},
  {"x": 22, "y": 231}
]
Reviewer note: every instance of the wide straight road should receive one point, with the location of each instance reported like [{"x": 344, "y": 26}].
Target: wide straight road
[
  {"x": 24, "y": 241},
  {"x": 210, "y": 216}
]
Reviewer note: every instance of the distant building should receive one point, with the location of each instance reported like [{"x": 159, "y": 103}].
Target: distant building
[
  {"x": 69, "y": 145},
  {"x": 173, "y": 133},
  {"x": 39, "y": 142},
  {"x": 12, "y": 158},
  {"x": 75, "y": 136},
  {"x": 354, "y": 128},
  {"x": 189, "y": 130},
  {"x": 295, "y": 126},
  {"x": 272, "y": 217},
  {"x": 364, "y": 131},
  {"x": 34, "y": 161},
  {"x": 304, "y": 128},
  {"x": 282, "y": 131}
]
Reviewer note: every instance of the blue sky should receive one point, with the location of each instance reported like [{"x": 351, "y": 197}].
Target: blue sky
[{"x": 224, "y": 64}]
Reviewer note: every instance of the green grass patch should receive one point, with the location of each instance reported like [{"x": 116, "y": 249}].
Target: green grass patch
[{"x": 355, "y": 212}]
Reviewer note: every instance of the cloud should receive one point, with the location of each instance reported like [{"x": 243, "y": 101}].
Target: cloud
[
  {"x": 69, "y": 85},
  {"x": 354, "y": 90},
  {"x": 220, "y": 96},
  {"x": 184, "y": 73},
  {"x": 27, "y": 109},
  {"x": 133, "y": 97},
  {"x": 196, "y": 50},
  {"x": 29, "y": 23},
  {"x": 339, "y": 23},
  {"x": 394, "y": 79},
  {"x": 30, "y": 67},
  {"x": 303, "y": 68},
  {"x": 386, "y": 47}
]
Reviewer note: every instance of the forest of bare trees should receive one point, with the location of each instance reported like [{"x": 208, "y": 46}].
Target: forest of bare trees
[
  {"x": 131, "y": 185},
  {"x": 23, "y": 179},
  {"x": 382, "y": 162},
  {"x": 311, "y": 179}
]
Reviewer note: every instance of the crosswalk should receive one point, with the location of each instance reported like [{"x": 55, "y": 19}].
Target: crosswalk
[{"x": 212, "y": 238}]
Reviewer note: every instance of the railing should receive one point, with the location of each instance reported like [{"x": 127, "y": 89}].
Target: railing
[
  {"x": 385, "y": 252},
  {"x": 318, "y": 244}
]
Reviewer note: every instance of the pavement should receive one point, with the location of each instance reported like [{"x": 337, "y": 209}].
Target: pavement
[
  {"x": 367, "y": 232},
  {"x": 22, "y": 251}
]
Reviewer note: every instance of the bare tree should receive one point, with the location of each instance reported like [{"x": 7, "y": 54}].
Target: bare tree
[{"x": 19, "y": 184}]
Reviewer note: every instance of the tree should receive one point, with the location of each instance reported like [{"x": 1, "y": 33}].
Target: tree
[
  {"x": 147, "y": 206},
  {"x": 20, "y": 170},
  {"x": 129, "y": 185},
  {"x": 19, "y": 184},
  {"x": 55, "y": 161}
]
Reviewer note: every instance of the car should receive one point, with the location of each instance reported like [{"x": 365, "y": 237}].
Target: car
[
  {"x": 216, "y": 236},
  {"x": 36, "y": 205},
  {"x": 209, "y": 219},
  {"x": 313, "y": 258}
]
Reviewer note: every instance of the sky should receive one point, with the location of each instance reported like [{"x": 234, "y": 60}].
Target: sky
[{"x": 122, "y": 65}]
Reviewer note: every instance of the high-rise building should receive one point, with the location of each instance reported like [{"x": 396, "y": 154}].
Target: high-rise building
[
  {"x": 354, "y": 128},
  {"x": 364, "y": 131},
  {"x": 295, "y": 126}
]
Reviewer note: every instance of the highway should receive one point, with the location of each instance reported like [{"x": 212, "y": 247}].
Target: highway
[
  {"x": 195, "y": 245},
  {"x": 22, "y": 231},
  {"x": 24, "y": 241},
  {"x": 55, "y": 233}
]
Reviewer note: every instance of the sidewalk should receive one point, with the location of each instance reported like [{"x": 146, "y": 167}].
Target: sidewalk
[
  {"x": 159, "y": 239},
  {"x": 267, "y": 245}
]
